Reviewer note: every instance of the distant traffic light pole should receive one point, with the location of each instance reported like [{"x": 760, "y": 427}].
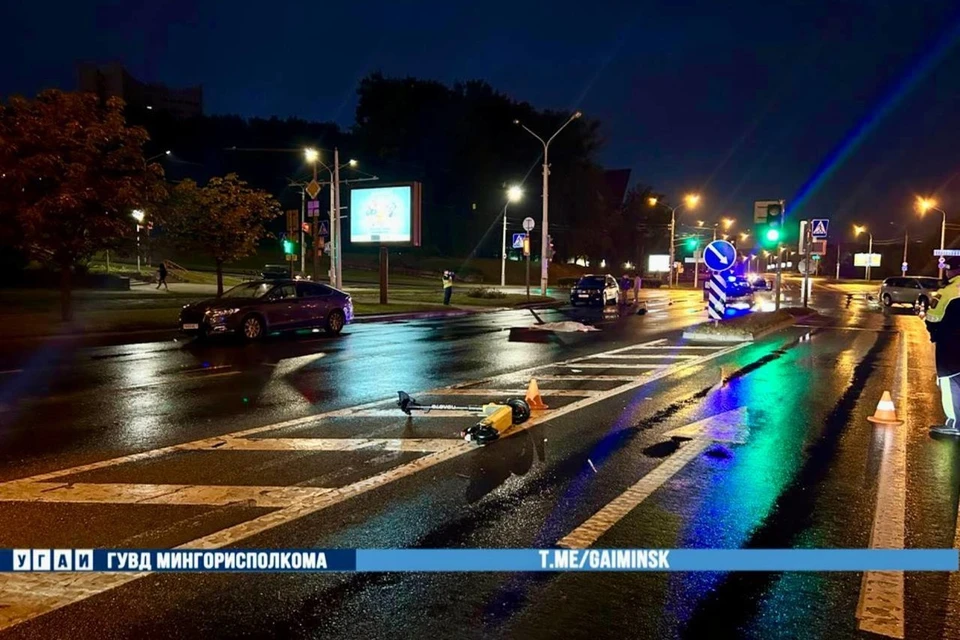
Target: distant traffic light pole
[{"x": 544, "y": 239}]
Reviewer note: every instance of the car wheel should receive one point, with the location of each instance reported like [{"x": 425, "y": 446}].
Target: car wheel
[
  {"x": 252, "y": 327},
  {"x": 335, "y": 322},
  {"x": 886, "y": 300}
]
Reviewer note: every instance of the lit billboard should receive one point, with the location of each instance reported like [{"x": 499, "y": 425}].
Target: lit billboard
[
  {"x": 658, "y": 263},
  {"x": 385, "y": 215},
  {"x": 860, "y": 259}
]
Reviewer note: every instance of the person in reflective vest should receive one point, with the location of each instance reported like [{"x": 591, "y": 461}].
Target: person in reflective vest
[
  {"x": 943, "y": 323},
  {"x": 447, "y": 286}
]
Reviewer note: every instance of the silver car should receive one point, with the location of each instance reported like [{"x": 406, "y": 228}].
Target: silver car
[{"x": 913, "y": 290}]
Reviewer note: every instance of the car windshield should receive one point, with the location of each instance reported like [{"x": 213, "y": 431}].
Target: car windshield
[
  {"x": 592, "y": 282},
  {"x": 248, "y": 290},
  {"x": 929, "y": 283}
]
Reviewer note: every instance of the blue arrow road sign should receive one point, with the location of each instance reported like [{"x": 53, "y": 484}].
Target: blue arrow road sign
[
  {"x": 819, "y": 227},
  {"x": 720, "y": 255},
  {"x": 518, "y": 240}
]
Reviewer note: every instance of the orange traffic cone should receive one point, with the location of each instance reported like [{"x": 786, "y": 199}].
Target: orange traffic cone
[
  {"x": 533, "y": 397},
  {"x": 886, "y": 413}
]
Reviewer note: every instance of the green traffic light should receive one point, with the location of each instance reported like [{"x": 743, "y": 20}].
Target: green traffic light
[
  {"x": 693, "y": 243},
  {"x": 288, "y": 246},
  {"x": 773, "y": 235}
]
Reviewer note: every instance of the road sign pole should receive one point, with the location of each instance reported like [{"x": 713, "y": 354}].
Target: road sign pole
[
  {"x": 526, "y": 246},
  {"x": 303, "y": 236},
  {"x": 696, "y": 267}
]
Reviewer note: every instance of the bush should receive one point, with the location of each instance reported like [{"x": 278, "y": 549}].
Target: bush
[{"x": 486, "y": 293}]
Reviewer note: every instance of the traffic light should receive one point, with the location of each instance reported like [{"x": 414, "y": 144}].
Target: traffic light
[
  {"x": 549, "y": 247},
  {"x": 771, "y": 231},
  {"x": 692, "y": 243},
  {"x": 289, "y": 246}
]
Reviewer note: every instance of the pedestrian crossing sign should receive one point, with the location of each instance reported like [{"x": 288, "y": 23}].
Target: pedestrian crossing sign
[
  {"x": 518, "y": 240},
  {"x": 819, "y": 228}
]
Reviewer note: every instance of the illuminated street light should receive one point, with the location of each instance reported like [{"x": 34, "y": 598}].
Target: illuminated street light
[
  {"x": 744, "y": 236},
  {"x": 926, "y": 204},
  {"x": 727, "y": 223},
  {"x": 311, "y": 155},
  {"x": 352, "y": 163},
  {"x": 690, "y": 200},
  {"x": 544, "y": 231},
  {"x": 514, "y": 194}
]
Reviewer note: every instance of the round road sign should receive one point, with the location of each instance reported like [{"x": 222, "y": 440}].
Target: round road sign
[
  {"x": 720, "y": 255},
  {"x": 528, "y": 224}
]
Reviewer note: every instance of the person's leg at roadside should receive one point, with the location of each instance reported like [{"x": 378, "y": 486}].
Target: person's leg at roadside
[{"x": 447, "y": 292}]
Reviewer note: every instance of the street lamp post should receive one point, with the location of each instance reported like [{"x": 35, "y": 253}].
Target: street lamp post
[
  {"x": 336, "y": 253},
  {"x": 138, "y": 215},
  {"x": 926, "y": 204},
  {"x": 857, "y": 230},
  {"x": 514, "y": 194},
  {"x": 690, "y": 200},
  {"x": 544, "y": 232}
]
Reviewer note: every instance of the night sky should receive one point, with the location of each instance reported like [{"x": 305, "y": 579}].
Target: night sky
[{"x": 846, "y": 109}]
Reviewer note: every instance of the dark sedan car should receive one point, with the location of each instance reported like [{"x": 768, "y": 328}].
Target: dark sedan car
[{"x": 253, "y": 309}]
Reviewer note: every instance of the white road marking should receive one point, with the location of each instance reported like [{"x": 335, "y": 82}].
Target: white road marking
[
  {"x": 322, "y": 444},
  {"x": 27, "y": 596},
  {"x": 880, "y": 608},
  {"x": 9, "y": 371},
  {"x": 727, "y": 426},
  {"x": 180, "y": 494}
]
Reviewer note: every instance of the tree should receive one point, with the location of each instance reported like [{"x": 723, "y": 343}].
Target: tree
[
  {"x": 224, "y": 219},
  {"x": 72, "y": 173}
]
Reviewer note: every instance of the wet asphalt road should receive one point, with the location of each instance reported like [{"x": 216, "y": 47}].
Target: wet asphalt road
[{"x": 803, "y": 471}]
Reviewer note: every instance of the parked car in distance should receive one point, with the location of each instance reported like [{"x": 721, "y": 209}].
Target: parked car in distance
[
  {"x": 595, "y": 289},
  {"x": 253, "y": 309},
  {"x": 913, "y": 290},
  {"x": 275, "y": 272},
  {"x": 758, "y": 282},
  {"x": 739, "y": 293}
]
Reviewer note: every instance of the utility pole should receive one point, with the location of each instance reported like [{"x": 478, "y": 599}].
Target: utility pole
[
  {"x": 807, "y": 241},
  {"x": 779, "y": 263},
  {"x": 869, "y": 255},
  {"x": 303, "y": 236},
  {"x": 906, "y": 238},
  {"x": 503, "y": 246},
  {"x": 338, "y": 246},
  {"x": 838, "y": 260}
]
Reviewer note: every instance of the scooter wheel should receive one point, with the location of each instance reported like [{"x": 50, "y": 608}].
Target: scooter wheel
[{"x": 521, "y": 410}]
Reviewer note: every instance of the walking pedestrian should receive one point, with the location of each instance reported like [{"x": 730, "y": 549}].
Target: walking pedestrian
[
  {"x": 943, "y": 323},
  {"x": 162, "y": 276},
  {"x": 447, "y": 286}
]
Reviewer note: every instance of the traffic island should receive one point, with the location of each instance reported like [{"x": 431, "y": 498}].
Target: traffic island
[{"x": 747, "y": 328}]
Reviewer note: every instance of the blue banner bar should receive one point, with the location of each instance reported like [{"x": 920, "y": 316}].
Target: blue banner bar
[{"x": 480, "y": 560}]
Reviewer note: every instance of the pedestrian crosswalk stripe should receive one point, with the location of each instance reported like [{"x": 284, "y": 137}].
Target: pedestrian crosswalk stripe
[
  {"x": 644, "y": 356},
  {"x": 493, "y": 393},
  {"x": 157, "y": 494},
  {"x": 611, "y": 365}
]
